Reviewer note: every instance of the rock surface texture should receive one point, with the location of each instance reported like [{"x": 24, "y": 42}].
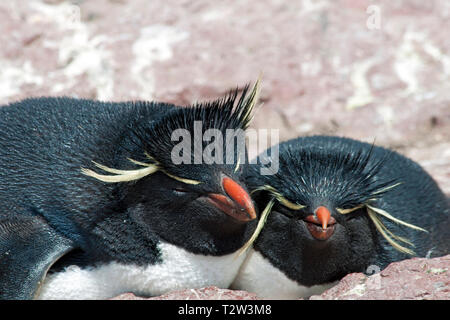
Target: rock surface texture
[
  {"x": 370, "y": 70},
  {"x": 416, "y": 278},
  {"x": 208, "y": 293}
]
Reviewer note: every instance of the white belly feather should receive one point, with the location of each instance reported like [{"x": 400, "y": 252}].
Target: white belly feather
[
  {"x": 259, "y": 276},
  {"x": 180, "y": 269}
]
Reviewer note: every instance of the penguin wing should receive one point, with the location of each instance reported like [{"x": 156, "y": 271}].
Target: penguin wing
[{"x": 28, "y": 248}]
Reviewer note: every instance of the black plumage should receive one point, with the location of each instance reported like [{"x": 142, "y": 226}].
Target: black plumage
[
  {"x": 359, "y": 184},
  {"x": 49, "y": 148}
]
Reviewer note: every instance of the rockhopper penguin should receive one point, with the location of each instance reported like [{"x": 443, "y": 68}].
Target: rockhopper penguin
[
  {"x": 92, "y": 204},
  {"x": 338, "y": 206}
]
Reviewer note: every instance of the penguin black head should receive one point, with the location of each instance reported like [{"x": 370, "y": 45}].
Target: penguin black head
[
  {"x": 184, "y": 174},
  {"x": 322, "y": 208}
]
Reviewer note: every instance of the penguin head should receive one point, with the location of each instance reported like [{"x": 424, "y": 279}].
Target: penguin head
[
  {"x": 322, "y": 223},
  {"x": 186, "y": 179}
]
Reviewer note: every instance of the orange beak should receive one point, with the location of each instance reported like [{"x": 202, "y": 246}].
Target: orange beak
[
  {"x": 321, "y": 225},
  {"x": 324, "y": 216},
  {"x": 238, "y": 204}
]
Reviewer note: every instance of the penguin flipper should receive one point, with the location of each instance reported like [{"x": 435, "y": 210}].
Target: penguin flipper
[{"x": 28, "y": 248}]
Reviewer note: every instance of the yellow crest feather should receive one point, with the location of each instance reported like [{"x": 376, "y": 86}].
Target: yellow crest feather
[
  {"x": 259, "y": 227},
  {"x": 131, "y": 175},
  {"x": 119, "y": 175},
  {"x": 280, "y": 198},
  {"x": 386, "y": 233}
]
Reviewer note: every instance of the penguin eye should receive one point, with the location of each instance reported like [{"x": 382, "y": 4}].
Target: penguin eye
[
  {"x": 180, "y": 191},
  {"x": 289, "y": 204},
  {"x": 349, "y": 210},
  {"x": 285, "y": 211},
  {"x": 351, "y": 213}
]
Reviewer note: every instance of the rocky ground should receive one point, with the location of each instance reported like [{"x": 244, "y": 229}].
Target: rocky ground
[{"x": 371, "y": 70}]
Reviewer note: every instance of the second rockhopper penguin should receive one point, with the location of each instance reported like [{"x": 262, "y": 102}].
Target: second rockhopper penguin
[
  {"x": 338, "y": 206},
  {"x": 92, "y": 204}
]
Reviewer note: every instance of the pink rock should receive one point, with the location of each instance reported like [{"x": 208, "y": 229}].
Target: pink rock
[
  {"x": 127, "y": 296},
  {"x": 208, "y": 293},
  {"x": 417, "y": 278}
]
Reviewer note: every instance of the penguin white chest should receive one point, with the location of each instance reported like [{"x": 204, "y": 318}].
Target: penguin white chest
[
  {"x": 259, "y": 276},
  {"x": 178, "y": 270}
]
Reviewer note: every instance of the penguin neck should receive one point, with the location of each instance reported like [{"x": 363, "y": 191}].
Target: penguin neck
[
  {"x": 197, "y": 237},
  {"x": 139, "y": 231}
]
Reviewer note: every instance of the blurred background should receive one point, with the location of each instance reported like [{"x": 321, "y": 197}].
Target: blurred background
[{"x": 370, "y": 70}]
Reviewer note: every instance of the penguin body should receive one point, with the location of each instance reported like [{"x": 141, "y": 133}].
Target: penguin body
[
  {"x": 178, "y": 269},
  {"x": 339, "y": 206},
  {"x": 93, "y": 206}
]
